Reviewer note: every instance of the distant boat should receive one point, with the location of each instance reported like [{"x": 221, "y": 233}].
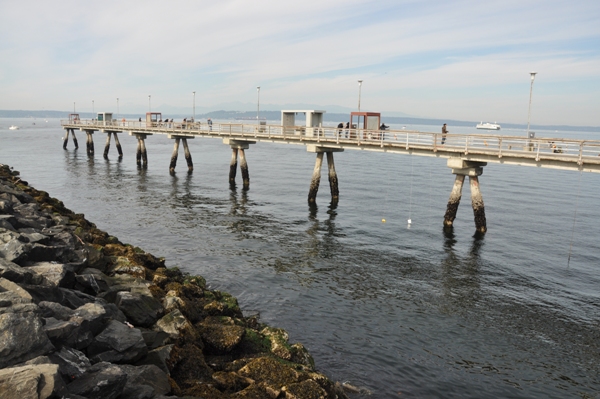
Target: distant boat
[
  {"x": 488, "y": 126},
  {"x": 13, "y": 127}
]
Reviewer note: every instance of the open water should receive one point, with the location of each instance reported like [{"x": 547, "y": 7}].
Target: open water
[{"x": 400, "y": 312}]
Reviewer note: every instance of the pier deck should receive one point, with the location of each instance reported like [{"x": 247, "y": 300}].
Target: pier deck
[{"x": 556, "y": 153}]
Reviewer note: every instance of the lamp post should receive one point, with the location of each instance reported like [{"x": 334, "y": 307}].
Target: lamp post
[
  {"x": 117, "y": 107},
  {"x": 359, "y": 87},
  {"x": 530, "y": 92},
  {"x": 93, "y": 111},
  {"x": 149, "y": 103},
  {"x": 257, "y": 102},
  {"x": 74, "y": 107},
  {"x": 194, "y": 108}
]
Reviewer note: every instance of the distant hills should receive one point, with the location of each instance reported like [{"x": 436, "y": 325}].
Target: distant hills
[{"x": 276, "y": 115}]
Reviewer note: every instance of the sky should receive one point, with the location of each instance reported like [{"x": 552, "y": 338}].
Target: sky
[{"x": 462, "y": 60}]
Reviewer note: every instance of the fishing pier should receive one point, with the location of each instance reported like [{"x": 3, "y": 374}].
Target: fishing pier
[{"x": 467, "y": 154}]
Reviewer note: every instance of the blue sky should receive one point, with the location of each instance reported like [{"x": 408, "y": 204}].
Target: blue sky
[{"x": 465, "y": 60}]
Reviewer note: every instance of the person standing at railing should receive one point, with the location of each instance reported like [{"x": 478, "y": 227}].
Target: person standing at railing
[
  {"x": 209, "y": 121},
  {"x": 444, "y": 133},
  {"x": 347, "y": 128},
  {"x": 340, "y": 126}
]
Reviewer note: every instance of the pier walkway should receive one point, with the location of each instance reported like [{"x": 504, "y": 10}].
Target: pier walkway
[{"x": 467, "y": 153}]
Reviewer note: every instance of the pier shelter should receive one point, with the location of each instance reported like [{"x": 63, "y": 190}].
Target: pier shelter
[
  {"x": 313, "y": 119},
  {"x": 105, "y": 118},
  {"x": 152, "y": 118}
]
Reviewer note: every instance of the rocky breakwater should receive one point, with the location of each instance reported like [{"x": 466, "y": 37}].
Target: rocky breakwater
[{"x": 83, "y": 315}]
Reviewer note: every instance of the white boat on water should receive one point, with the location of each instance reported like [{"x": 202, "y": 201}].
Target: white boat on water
[
  {"x": 13, "y": 127},
  {"x": 488, "y": 126}
]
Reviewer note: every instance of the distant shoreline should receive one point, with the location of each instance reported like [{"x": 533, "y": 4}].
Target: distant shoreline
[{"x": 276, "y": 115}]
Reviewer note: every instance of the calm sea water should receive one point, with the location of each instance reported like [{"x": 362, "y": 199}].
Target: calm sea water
[{"x": 402, "y": 312}]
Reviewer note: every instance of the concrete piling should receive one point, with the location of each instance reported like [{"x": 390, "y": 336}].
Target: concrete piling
[
  {"x": 74, "y": 139},
  {"x": 188, "y": 156},
  {"x": 138, "y": 152},
  {"x": 107, "y": 146},
  {"x": 478, "y": 207},
  {"x": 244, "y": 169},
  {"x": 174, "y": 156},
  {"x": 66, "y": 139},
  {"x": 233, "y": 165},
  {"x": 333, "y": 180},
  {"x": 316, "y": 179},
  {"x": 454, "y": 201},
  {"x": 144, "y": 152},
  {"x": 119, "y": 149},
  {"x": 89, "y": 144}
]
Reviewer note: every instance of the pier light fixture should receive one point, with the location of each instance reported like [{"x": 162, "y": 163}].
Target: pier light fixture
[
  {"x": 530, "y": 93},
  {"x": 257, "y": 102},
  {"x": 359, "y": 87},
  {"x": 194, "y": 107}
]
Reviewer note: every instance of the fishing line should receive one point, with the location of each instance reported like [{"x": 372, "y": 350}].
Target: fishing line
[{"x": 574, "y": 218}]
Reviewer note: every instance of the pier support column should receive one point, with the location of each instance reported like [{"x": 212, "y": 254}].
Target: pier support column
[
  {"x": 107, "y": 146},
  {"x": 316, "y": 177},
  {"x": 233, "y": 165},
  {"x": 89, "y": 144},
  {"x": 244, "y": 169},
  {"x": 66, "y": 138},
  {"x": 239, "y": 147},
  {"x": 188, "y": 156},
  {"x": 478, "y": 207},
  {"x": 333, "y": 180},
  {"x": 119, "y": 149},
  {"x": 141, "y": 155},
  {"x": 454, "y": 201},
  {"x": 174, "y": 156},
  {"x": 462, "y": 168}
]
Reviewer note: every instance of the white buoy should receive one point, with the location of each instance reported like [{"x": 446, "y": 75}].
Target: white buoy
[{"x": 409, "y": 221}]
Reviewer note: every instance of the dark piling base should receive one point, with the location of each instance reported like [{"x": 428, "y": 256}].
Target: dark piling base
[
  {"x": 333, "y": 180},
  {"x": 454, "y": 201},
  {"x": 244, "y": 169},
  {"x": 174, "y": 157},
  {"x": 478, "y": 206},
  {"x": 233, "y": 165},
  {"x": 316, "y": 179},
  {"x": 188, "y": 156}
]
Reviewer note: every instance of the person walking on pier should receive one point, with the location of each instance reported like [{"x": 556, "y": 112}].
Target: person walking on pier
[
  {"x": 444, "y": 133},
  {"x": 209, "y": 125}
]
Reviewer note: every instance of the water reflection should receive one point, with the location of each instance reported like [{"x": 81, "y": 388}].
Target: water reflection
[{"x": 460, "y": 278}]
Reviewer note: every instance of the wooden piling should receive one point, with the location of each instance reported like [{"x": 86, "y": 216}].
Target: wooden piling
[
  {"x": 107, "y": 146},
  {"x": 144, "y": 153},
  {"x": 188, "y": 156},
  {"x": 138, "y": 153},
  {"x": 119, "y": 149},
  {"x": 316, "y": 179},
  {"x": 66, "y": 139},
  {"x": 174, "y": 156},
  {"x": 454, "y": 201},
  {"x": 74, "y": 139},
  {"x": 244, "y": 169},
  {"x": 333, "y": 180},
  {"x": 233, "y": 165},
  {"x": 478, "y": 207},
  {"x": 89, "y": 144}
]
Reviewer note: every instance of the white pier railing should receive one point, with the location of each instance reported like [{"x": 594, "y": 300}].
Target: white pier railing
[{"x": 542, "y": 152}]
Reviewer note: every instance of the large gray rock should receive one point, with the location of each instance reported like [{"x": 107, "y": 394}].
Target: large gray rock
[
  {"x": 62, "y": 333},
  {"x": 95, "y": 316},
  {"x": 13, "y": 288},
  {"x": 104, "y": 381},
  {"x": 118, "y": 343},
  {"x": 149, "y": 375},
  {"x": 22, "y": 337},
  {"x": 72, "y": 363},
  {"x": 17, "y": 274},
  {"x": 57, "y": 274},
  {"x": 159, "y": 357},
  {"x": 141, "y": 310},
  {"x": 7, "y": 222},
  {"x": 32, "y": 381},
  {"x": 56, "y": 310},
  {"x": 173, "y": 323}
]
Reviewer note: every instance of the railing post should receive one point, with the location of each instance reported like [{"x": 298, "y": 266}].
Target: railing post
[
  {"x": 537, "y": 154},
  {"x": 580, "y": 161},
  {"x": 500, "y": 147}
]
